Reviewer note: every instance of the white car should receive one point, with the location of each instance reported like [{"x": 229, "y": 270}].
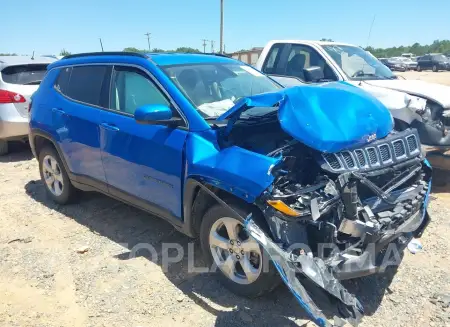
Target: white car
[
  {"x": 409, "y": 63},
  {"x": 412, "y": 103},
  {"x": 20, "y": 77}
]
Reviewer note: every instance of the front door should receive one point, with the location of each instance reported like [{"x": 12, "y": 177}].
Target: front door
[
  {"x": 76, "y": 118},
  {"x": 143, "y": 163}
]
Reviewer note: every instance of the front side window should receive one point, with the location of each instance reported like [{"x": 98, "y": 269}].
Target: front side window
[
  {"x": 301, "y": 57},
  {"x": 213, "y": 88},
  {"x": 357, "y": 63},
  {"x": 31, "y": 74},
  {"x": 131, "y": 89},
  {"x": 85, "y": 84}
]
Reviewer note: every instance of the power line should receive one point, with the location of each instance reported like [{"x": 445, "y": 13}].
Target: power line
[
  {"x": 204, "y": 44},
  {"x": 148, "y": 40}
]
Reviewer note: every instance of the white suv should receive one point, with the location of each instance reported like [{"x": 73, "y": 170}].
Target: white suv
[{"x": 20, "y": 77}]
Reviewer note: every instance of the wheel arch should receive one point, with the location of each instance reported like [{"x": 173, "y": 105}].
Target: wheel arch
[
  {"x": 199, "y": 196},
  {"x": 39, "y": 139}
]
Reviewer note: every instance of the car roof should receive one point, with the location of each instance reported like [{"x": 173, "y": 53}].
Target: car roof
[
  {"x": 24, "y": 60},
  {"x": 161, "y": 59},
  {"x": 311, "y": 42},
  {"x": 165, "y": 59}
]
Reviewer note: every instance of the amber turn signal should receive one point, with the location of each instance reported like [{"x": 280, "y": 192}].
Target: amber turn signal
[{"x": 283, "y": 207}]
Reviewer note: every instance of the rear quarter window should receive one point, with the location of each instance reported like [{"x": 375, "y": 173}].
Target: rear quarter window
[
  {"x": 62, "y": 82},
  {"x": 87, "y": 84},
  {"x": 31, "y": 74}
]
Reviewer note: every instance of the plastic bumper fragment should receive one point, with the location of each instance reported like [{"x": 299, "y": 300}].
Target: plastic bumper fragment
[{"x": 289, "y": 266}]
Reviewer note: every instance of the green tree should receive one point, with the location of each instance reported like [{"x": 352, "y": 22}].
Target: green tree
[
  {"x": 132, "y": 49},
  {"x": 438, "y": 46},
  {"x": 64, "y": 53},
  {"x": 187, "y": 50}
]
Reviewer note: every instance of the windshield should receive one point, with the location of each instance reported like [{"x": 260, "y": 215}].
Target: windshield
[
  {"x": 357, "y": 63},
  {"x": 440, "y": 58},
  {"x": 214, "y": 88}
]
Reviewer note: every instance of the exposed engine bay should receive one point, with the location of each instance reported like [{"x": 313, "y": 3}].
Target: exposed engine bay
[{"x": 331, "y": 216}]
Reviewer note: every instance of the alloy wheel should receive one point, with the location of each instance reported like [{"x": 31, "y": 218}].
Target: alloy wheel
[
  {"x": 52, "y": 175},
  {"x": 236, "y": 254}
]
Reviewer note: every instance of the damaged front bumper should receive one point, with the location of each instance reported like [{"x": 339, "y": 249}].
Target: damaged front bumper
[
  {"x": 324, "y": 276},
  {"x": 365, "y": 236}
]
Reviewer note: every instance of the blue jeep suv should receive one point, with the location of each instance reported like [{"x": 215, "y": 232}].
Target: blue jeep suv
[{"x": 224, "y": 153}]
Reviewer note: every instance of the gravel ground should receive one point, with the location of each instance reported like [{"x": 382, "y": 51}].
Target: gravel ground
[
  {"x": 46, "y": 281},
  {"x": 72, "y": 266}
]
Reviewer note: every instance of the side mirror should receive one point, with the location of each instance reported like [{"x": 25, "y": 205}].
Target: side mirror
[
  {"x": 313, "y": 74},
  {"x": 155, "y": 114}
]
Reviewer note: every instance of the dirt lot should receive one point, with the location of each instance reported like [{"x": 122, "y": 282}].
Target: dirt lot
[
  {"x": 45, "y": 281},
  {"x": 439, "y": 77}
]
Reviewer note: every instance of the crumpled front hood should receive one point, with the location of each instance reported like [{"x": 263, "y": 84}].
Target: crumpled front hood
[
  {"x": 328, "y": 117},
  {"x": 433, "y": 91}
]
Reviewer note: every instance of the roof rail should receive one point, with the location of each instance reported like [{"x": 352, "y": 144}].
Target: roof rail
[
  {"x": 217, "y": 54},
  {"x": 110, "y": 53}
]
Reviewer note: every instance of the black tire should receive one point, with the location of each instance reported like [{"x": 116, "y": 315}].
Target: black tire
[
  {"x": 69, "y": 192},
  {"x": 268, "y": 279},
  {"x": 435, "y": 68},
  {"x": 3, "y": 147},
  {"x": 419, "y": 69}
]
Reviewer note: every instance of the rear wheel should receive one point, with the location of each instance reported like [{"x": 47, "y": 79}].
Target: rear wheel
[
  {"x": 435, "y": 68},
  {"x": 419, "y": 69},
  {"x": 243, "y": 266},
  {"x": 3, "y": 147},
  {"x": 55, "y": 178}
]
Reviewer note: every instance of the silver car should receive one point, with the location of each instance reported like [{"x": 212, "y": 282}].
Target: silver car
[{"x": 20, "y": 77}]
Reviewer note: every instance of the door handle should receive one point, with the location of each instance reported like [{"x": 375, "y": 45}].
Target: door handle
[
  {"x": 110, "y": 127},
  {"x": 58, "y": 110}
]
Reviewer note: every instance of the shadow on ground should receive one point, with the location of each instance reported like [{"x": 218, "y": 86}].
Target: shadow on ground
[
  {"x": 18, "y": 151},
  {"x": 131, "y": 227}
]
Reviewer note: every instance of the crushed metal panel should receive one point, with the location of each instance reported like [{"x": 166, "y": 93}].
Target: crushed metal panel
[
  {"x": 313, "y": 268},
  {"x": 239, "y": 171}
]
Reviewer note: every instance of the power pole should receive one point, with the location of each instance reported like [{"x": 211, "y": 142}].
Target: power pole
[
  {"x": 101, "y": 44},
  {"x": 204, "y": 45},
  {"x": 148, "y": 40},
  {"x": 212, "y": 46},
  {"x": 221, "y": 26}
]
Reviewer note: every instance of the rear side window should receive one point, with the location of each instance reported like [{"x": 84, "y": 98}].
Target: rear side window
[
  {"x": 273, "y": 57},
  {"x": 24, "y": 74},
  {"x": 87, "y": 84}
]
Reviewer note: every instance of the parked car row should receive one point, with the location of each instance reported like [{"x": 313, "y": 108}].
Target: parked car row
[{"x": 434, "y": 62}]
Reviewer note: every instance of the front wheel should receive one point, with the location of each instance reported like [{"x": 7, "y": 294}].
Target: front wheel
[
  {"x": 243, "y": 265},
  {"x": 435, "y": 68},
  {"x": 55, "y": 178},
  {"x": 419, "y": 69}
]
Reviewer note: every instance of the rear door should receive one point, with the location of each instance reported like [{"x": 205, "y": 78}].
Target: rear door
[
  {"x": 81, "y": 92},
  {"x": 24, "y": 80},
  {"x": 425, "y": 61}
]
